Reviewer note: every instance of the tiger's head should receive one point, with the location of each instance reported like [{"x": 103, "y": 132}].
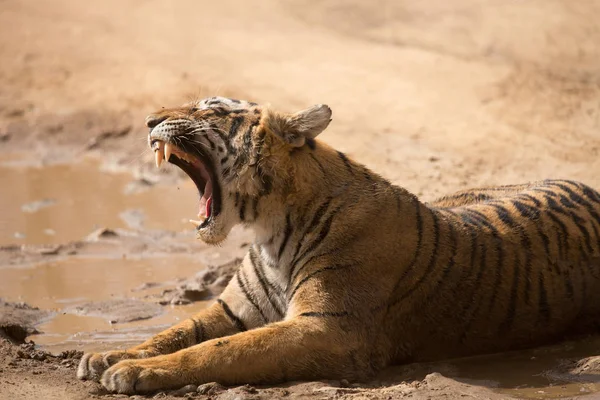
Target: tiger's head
[{"x": 236, "y": 152}]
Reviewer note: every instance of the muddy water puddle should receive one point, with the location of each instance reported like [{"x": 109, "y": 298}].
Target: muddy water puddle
[
  {"x": 525, "y": 374},
  {"x": 58, "y": 203},
  {"x": 118, "y": 285}
]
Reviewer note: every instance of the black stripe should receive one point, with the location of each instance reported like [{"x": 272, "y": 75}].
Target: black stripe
[
  {"x": 318, "y": 163},
  {"x": 416, "y": 252},
  {"x": 313, "y": 274},
  {"x": 286, "y": 235},
  {"x": 577, "y": 221},
  {"x": 592, "y": 194},
  {"x": 476, "y": 287},
  {"x": 316, "y": 242},
  {"x": 243, "y": 208},
  {"x": 224, "y": 159},
  {"x": 239, "y": 324},
  {"x": 240, "y": 157},
  {"x": 588, "y": 207},
  {"x": 533, "y": 215},
  {"x": 316, "y": 218},
  {"x": 346, "y": 162},
  {"x": 478, "y": 219},
  {"x": 504, "y": 215},
  {"x": 529, "y": 197},
  {"x": 498, "y": 269},
  {"x": 325, "y": 314},
  {"x": 266, "y": 180},
  {"x": 264, "y": 283},
  {"x": 226, "y": 172},
  {"x": 569, "y": 284},
  {"x": 223, "y": 138},
  {"x": 560, "y": 235},
  {"x": 311, "y": 143},
  {"x": 512, "y": 303},
  {"x": 432, "y": 260},
  {"x": 543, "y": 306},
  {"x": 242, "y": 282},
  {"x": 210, "y": 142},
  {"x": 219, "y": 111},
  {"x": 446, "y": 267},
  {"x": 583, "y": 281},
  {"x": 235, "y": 125},
  {"x": 483, "y": 219},
  {"x": 198, "y": 330},
  {"x": 248, "y": 136}
]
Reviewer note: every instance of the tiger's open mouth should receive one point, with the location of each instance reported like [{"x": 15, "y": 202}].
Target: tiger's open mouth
[{"x": 200, "y": 171}]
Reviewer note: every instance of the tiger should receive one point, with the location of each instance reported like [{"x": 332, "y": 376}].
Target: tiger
[{"x": 349, "y": 273}]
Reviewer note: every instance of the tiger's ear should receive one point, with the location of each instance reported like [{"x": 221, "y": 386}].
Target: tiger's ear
[{"x": 295, "y": 128}]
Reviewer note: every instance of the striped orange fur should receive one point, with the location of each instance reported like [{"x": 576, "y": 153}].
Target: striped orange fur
[{"x": 349, "y": 273}]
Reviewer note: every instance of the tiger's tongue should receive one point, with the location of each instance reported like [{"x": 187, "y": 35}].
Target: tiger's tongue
[{"x": 205, "y": 201}]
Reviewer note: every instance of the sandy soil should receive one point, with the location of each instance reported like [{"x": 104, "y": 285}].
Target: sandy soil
[{"x": 435, "y": 95}]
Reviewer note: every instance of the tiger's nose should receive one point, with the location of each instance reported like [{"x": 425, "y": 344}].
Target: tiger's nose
[{"x": 153, "y": 120}]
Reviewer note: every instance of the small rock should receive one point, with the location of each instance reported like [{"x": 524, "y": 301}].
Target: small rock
[
  {"x": 71, "y": 354},
  {"x": 198, "y": 294},
  {"x": 249, "y": 389},
  {"x": 211, "y": 388},
  {"x": 184, "y": 390},
  {"x": 102, "y": 233}
]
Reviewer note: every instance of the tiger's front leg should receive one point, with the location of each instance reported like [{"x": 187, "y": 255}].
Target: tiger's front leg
[
  {"x": 210, "y": 323},
  {"x": 216, "y": 321},
  {"x": 302, "y": 348}
]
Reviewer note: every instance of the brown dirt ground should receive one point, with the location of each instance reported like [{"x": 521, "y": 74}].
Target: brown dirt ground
[{"x": 437, "y": 96}]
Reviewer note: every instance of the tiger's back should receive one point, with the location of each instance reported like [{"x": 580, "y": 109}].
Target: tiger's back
[{"x": 503, "y": 267}]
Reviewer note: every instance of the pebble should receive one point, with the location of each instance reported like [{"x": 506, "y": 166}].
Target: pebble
[
  {"x": 210, "y": 388},
  {"x": 184, "y": 390}
]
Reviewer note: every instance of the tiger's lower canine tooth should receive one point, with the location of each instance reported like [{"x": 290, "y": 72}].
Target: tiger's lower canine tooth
[
  {"x": 168, "y": 150},
  {"x": 196, "y": 223},
  {"x": 158, "y": 157}
]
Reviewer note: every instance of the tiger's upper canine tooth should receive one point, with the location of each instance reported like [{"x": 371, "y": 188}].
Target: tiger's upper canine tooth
[
  {"x": 196, "y": 223},
  {"x": 158, "y": 157},
  {"x": 168, "y": 150}
]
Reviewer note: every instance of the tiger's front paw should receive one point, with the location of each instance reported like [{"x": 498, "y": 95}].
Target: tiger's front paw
[
  {"x": 139, "y": 376},
  {"x": 93, "y": 365}
]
